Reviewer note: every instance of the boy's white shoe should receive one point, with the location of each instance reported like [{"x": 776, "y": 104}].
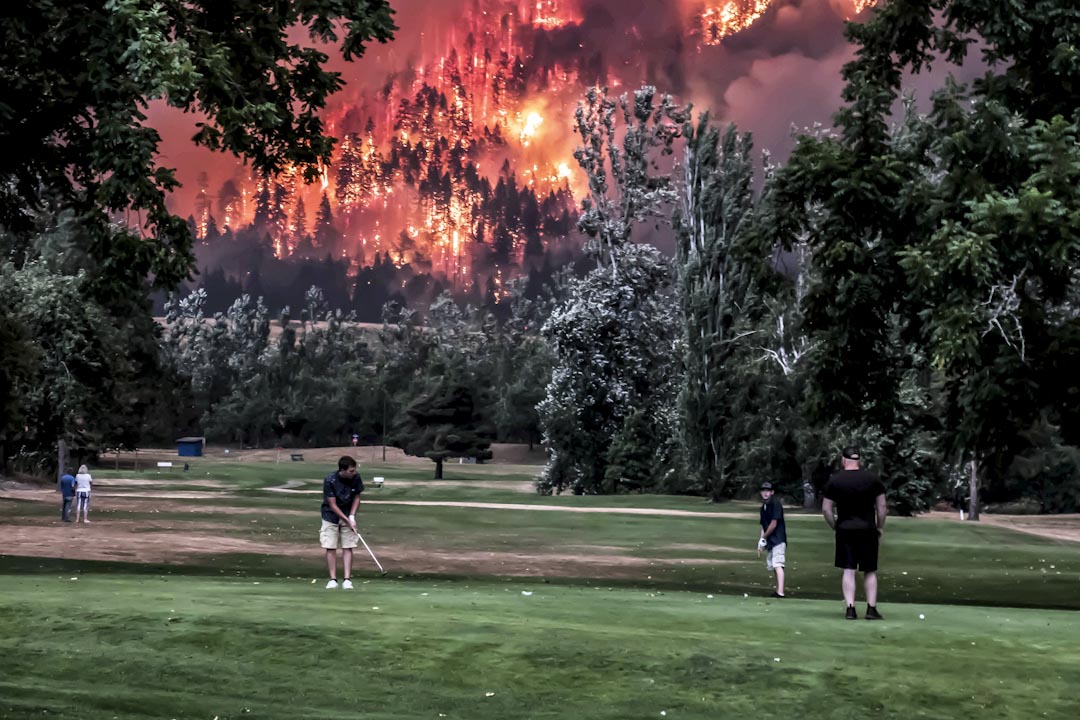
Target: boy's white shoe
[
  {"x": 332, "y": 585},
  {"x": 347, "y": 585}
]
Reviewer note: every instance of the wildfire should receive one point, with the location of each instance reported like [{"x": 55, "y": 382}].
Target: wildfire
[
  {"x": 532, "y": 123},
  {"x": 553, "y": 14},
  {"x": 719, "y": 21},
  {"x": 454, "y": 168}
]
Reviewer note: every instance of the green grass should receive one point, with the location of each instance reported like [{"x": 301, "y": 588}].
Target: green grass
[
  {"x": 116, "y": 645},
  {"x": 249, "y": 635}
]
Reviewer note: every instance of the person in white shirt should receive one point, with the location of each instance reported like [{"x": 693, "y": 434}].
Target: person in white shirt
[{"x": 82, "y": 494}]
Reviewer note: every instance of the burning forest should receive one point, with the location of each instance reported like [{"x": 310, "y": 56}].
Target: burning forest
[{"x": 456, "y": 165}]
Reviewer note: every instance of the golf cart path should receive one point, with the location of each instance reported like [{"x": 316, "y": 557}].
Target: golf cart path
[
  {"x": 527, "y": 487},
  {"x": 1053, "y": 527},
  {"x": 562, "y": 508}
]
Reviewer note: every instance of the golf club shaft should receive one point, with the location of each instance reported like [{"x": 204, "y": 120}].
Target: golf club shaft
[{"x": 368, "y": 548}]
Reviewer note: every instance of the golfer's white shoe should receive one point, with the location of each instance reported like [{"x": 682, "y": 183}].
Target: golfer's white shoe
[
  {"x": 332, "y": 585},
  {"x": 347, "y": 585}
]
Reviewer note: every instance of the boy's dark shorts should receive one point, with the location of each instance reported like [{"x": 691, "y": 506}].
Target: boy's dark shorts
[{"x": 857, "y": 550}]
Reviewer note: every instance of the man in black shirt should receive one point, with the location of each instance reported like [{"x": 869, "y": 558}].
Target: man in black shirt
[
  {"x": 773, "y": 535},
  {"x": 854, "y": 506},
  {"x": 341, "y": 498}
]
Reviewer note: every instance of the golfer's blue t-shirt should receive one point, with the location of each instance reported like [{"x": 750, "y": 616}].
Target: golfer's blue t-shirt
[
  {"x": 67, "y": 486},
  {"x": 773, "y": 510},
  {"x": 342, "y": 490}
]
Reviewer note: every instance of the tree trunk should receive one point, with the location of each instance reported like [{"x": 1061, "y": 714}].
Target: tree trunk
[
  {"x": 973, "y": 499},
  {"x": 438, "y": 469},
  {"x": 61, "y": 459}
]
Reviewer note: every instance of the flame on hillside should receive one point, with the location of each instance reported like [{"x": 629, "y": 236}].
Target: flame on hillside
[
  {"x": 461, "y": 161},
  {"x": 718, "y": 20}
]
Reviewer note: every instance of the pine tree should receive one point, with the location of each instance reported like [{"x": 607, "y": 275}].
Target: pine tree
[
  {"x": 444, "y": 421},
  {"x": 631, "y": 458},
  {"x": 263, "y": 205},
  {"x": 350, "y": 186},
  {"x": 325, "y": 235},
  {"x": 299, "y": 220}
]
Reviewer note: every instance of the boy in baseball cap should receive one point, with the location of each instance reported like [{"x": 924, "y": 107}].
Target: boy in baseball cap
[{"x": 773, "y": 536}]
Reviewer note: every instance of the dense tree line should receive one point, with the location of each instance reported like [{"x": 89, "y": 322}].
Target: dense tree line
[
  {"x": 243, "y": 262},
  {"x": 445, "y": 383},
  {"x": 905, "y": 282}
]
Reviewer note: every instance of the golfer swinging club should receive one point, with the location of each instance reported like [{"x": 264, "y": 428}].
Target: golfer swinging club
[
  {"x": 341, "y": 498},
  {"x": 854, "y": 506}
]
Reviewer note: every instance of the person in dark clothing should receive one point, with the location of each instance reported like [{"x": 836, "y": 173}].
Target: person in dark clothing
[
  {"x": 341, "y": 498},
  {"x": 854, "y": 506},
  {"x": 773, "y": 538},
  {"x": 67, "y": 495}
]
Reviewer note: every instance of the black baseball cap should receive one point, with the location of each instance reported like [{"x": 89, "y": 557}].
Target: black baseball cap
[
  {"x": 766, "y": 485},
  {"x": 851, "y": 453}
]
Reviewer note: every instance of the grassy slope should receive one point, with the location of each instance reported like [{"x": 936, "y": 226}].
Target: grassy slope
[
  {"x": 228, "y": 633},
  {"x": 922, "y": 560},
  {"x": 154, "y": 647}
]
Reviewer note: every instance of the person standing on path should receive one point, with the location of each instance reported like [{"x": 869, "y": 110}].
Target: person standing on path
[
  {"x": 854, "y": 506},
  {"x": 341, "y": 498},
  {"x": 773, "y": 538},
  {"x": 82, "y": 494},
  {"x": 67, "y": 494}
]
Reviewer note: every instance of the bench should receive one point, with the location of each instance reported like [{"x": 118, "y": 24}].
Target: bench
[{"x": 297, "y": 457}]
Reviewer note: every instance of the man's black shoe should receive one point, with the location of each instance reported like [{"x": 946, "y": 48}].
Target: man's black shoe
[
  {"x": 872, "y": 613},
  {"x": 851, "y": 614},
  {"x": 778, "y": 595}
]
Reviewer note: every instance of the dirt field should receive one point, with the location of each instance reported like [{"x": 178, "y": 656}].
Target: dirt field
[
  {"x": 1055, "y": 527},
  {"x": 241, "y": 531},
  {"x": 178, "y": 541}
]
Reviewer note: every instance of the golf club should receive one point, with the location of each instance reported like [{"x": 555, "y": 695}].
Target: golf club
[{"x": 368, "y": 548}]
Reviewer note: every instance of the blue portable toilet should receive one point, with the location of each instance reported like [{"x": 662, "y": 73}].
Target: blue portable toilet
[{"x": 190, "y": 446}]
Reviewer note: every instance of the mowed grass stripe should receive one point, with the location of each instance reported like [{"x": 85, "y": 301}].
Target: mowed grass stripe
[{"x": 198, "y": 648}]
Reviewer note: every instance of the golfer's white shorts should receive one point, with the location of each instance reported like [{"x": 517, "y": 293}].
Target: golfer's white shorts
[
  {"x": 337, "y": 535},
  {"x": 775, "y": 557}
]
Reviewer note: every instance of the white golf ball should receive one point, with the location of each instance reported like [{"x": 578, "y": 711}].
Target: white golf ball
[{"x": 921, "y": 616}]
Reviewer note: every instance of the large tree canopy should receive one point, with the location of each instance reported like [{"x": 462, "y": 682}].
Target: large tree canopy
[
  {"x": 946, "y": 247},
  {"x": 76, "y": 79}
]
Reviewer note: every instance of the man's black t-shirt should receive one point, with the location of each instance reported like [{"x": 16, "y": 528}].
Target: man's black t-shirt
[
  {"x": 854, "y": 492},
  {"x": 771, "y": 510},
  {"x": 344, "y": 491}
]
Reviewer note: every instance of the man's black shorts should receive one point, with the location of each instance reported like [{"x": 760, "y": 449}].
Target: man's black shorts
[{"x": 857, "y": 550}]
